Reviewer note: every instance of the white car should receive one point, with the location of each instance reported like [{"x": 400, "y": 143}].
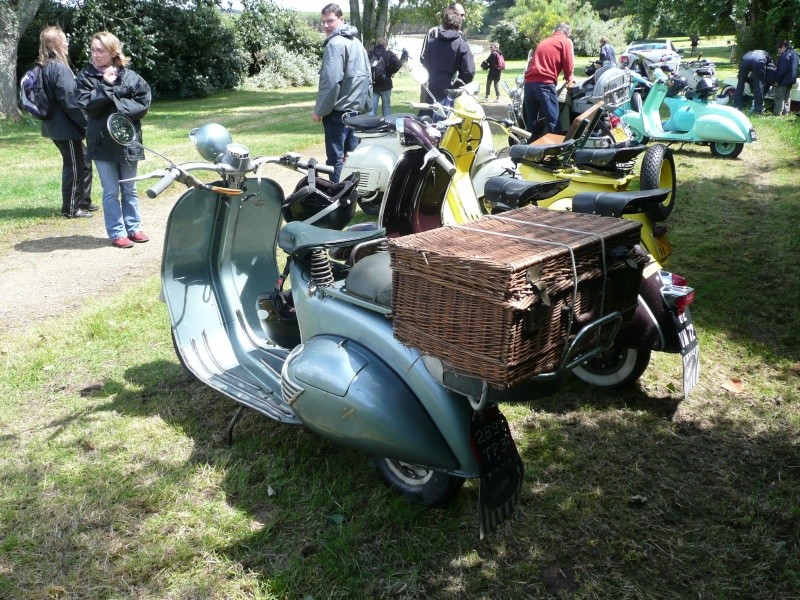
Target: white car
[{"x": 661, "y": 52}]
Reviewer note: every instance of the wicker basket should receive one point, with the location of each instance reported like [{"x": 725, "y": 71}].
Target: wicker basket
[{"x": 501, "y": 297}]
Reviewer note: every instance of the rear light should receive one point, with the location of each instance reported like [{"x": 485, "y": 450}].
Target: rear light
[
  {"x": 623, "y": 60},
  {"x": 614, "y": 120},
  {"x": 675, "y": 292}
]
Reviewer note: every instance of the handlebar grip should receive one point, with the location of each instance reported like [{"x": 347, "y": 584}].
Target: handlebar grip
[
  {"x": 328, "y": 170},
  {"x": 520, "y": 133},
  {"x": 161, "y": 184},
  {"x": 446, "y": 164},
  {"x": 419, "y": 105}
]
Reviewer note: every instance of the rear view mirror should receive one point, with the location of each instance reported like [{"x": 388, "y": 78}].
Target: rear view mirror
[
  {"x": 121, "y": 129},
  {"x": 420, "y": 74}
]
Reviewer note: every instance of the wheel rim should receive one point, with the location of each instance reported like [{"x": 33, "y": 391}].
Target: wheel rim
[
  {"x": 725, "y": 148},
  {"x": 411, "y": 475},
  {"x": 620, "y": 360}
]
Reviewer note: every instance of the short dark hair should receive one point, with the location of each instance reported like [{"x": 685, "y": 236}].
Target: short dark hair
[
  {"x": 331, "y": 8},
  {"x": 451, "y": 19},
  {"x": 783, "y": 44}
]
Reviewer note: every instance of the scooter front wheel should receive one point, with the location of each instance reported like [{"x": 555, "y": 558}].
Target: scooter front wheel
[
  {"x": 726, "y": 149},
  {"x": 725, "y": 95},
  {"x": 658, "y": 171},
  {"x": 614, "y": 368},
  {"x": 421, "y": 484}
]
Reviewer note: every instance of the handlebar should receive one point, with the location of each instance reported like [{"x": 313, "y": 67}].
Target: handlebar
[
  {"x": 520, "y": 133},
  {"x": 162, "y": 184}
]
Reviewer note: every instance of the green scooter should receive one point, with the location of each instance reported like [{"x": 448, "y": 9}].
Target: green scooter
[{"x": 692, "y": 120}]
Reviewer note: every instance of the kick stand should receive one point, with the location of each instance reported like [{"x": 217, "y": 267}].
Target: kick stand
[{"x": 236, "y": 416}]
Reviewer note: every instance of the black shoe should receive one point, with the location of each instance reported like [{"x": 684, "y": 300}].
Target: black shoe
[
  {"x": 80, "y": 213},
  {"x": 90, "y": 207}
]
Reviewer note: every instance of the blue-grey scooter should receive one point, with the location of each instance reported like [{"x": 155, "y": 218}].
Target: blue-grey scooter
[{"x": 323, "y": 354}]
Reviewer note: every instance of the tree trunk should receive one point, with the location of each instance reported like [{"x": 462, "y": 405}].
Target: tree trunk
[
  {"x": 15, "y": 16},
  {"x": 372, "y": 22}
]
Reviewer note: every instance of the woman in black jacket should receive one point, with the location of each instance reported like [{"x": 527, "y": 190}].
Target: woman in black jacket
[
  {"x": 107, "y": 86},
  {"x": 66, "y": 125}
]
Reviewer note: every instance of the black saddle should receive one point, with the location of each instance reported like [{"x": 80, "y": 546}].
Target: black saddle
[
  {"x": 537, "y": 154},
  {"x": 616, "y": 204},
  {"x": 506, "y": 193},
  {"x": 603, "y": 157}
]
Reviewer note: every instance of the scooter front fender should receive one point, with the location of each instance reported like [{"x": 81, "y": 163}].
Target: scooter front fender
[{"x": 342, "y": 391}]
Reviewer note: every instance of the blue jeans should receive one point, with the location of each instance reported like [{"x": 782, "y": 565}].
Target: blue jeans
[
  {"x": 541, "y": 108},
  {"x": 757, "y": 69},
  {"x": 339, "y": 139},
  {"x": 386, "y": 101},
  {"x": 120, "y": 202}
]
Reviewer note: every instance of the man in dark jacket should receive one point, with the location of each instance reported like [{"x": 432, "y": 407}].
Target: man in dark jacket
[
  {"x": 382, "y": 90},
  {"x": 447, "y": 54},
  {"x": 345, "y": 86},
  {"x": 752, "y": 66},
  {"x": 785, "y": 77},
  {"x": 66, "y": 125}
]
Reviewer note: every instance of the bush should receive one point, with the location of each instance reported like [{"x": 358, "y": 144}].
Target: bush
[
  {"x": 513, "y": 42},
  {"x": 264, "y": 26},
  {"x": 280, "y": 68}
]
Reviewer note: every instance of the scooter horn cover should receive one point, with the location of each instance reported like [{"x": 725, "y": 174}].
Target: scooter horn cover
[
  {"x": 211, "y": 140},
  {"x": 324, "y": 204}
]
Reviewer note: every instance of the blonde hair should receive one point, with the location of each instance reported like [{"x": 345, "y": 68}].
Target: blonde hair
[
  {"x": 494, "y": 46},
  {"x": 50, "y": 46},
  {"x": 111, "y": 43}
]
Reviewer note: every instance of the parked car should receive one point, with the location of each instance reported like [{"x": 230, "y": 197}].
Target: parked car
[{"x": 655, "y": 51}]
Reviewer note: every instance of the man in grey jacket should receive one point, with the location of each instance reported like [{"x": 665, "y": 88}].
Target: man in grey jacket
[{"x": 345, "y": 86}]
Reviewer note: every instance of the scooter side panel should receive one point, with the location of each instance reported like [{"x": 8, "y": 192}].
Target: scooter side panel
[
  {"x": 345, "y": 393},
  {"x": 374, "y": 158},
  {"x": 714, "y": 128},
  {"x": 322, "y": 315}
]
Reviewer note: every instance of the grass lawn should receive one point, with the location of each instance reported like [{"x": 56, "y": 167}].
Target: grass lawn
[{"x": 116, "y": 480}]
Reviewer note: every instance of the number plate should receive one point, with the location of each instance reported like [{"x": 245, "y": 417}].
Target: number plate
[
  {"x": 663, "y": 246},
  {"x": 501, "y": 468},
  {"x": 690, "y": 350},
  {"x": 619, "y": 135}
]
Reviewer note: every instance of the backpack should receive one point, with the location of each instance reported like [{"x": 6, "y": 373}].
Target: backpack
[
  {"x": 32, "y": 94},
  {"x": 501, "y": 62},
  {"x": 378, "y": 65}
]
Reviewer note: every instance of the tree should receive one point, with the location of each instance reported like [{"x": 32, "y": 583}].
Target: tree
[
  {"x": 15, "y": 16},
  {"x": 372, "y": 22}
]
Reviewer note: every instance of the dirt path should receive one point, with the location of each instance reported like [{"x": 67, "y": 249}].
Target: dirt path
[{"x": 61, "y": 265}]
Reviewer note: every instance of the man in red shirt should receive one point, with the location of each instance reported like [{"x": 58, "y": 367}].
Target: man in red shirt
[{"x": 552, "y": 55}]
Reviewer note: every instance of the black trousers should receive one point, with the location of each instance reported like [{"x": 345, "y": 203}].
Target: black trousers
[{"x": 76, "y": 176}]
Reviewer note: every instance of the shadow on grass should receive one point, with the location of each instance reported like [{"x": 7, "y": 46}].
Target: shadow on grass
[{"x": 616, "y": 498}]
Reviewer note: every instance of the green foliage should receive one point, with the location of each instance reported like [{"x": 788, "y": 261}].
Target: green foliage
[
  {"x": 279, "y": 68},
  {"x": 264, "y": 26},
  {"x": 181, "y": 52},
  {"x": 513, "y": 42}
]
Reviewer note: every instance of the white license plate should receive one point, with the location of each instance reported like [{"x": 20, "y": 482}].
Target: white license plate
[{"x": 690, "y": 350}]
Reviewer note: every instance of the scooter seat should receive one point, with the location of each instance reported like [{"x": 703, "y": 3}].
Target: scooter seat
[
  {"x": 603, "y": 157},
  {"x": 505, "y": 193},
  {"x": 371, "y": 279},
  {"x": 538, "y": 153},
  {"x": 373, "y": 124},
  {"x": 298, "y": 238},
  {"x": 616, "y": 204}
]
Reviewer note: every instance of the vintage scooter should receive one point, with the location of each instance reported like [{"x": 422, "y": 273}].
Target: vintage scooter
[
  {"x": 696, "y": 120},
  {"x": 323, "y": 353},
  {"x": 380, "y": 148},
  {"x": 423, "y": 195}
]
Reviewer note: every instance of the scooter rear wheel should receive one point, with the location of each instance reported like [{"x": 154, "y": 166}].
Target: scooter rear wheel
[
  {"x": 615, "y": 368},
  {"x": 726, "y": 149},
  {"x": 725, "y": 95},
  {"x": 420, "y": 484},
  {"x": 658, "y": 171},
  {"x": 371, "y": 207}
]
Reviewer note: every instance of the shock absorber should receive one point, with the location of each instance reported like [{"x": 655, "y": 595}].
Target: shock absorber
[{"x": 321, "y": 272}]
